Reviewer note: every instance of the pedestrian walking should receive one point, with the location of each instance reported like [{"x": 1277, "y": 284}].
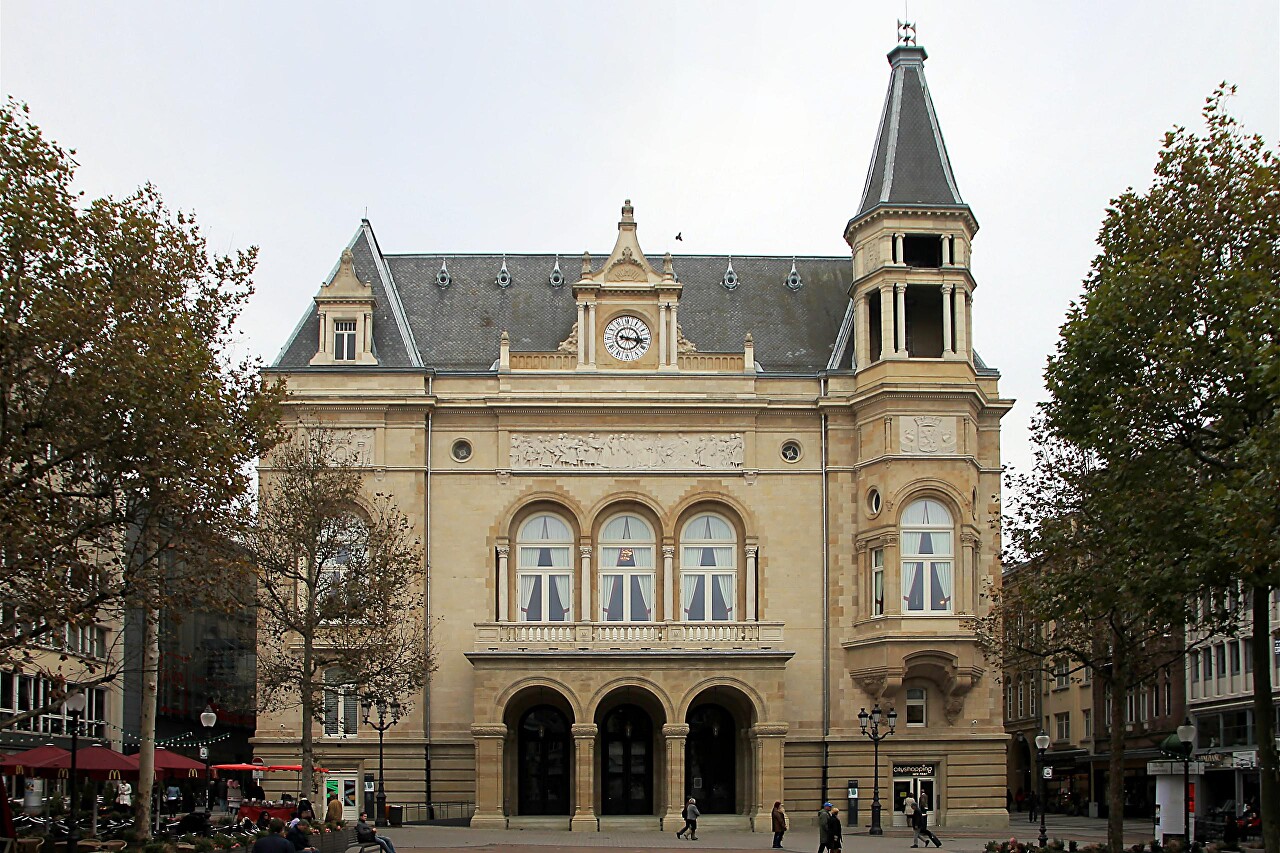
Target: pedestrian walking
[
  {"x": 836, "y": 842},
  {"x": 690, "y": 815},
  {"x": 780, "y": 824},
  {"x": 1033, "y": 806},
  {"x": 824, "y": 827},
  {"x": 920, "y": 823}
]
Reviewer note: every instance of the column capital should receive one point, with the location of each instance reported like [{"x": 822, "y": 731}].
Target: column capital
[
  {"x": 899, "y": 286},
  {"x": 753, "y": 550},
  {"x": 668, "y": 551},
  {"x": 584, "y": 730},
  {"x": 584, "y": 550},
  {"x": 947, "y": 287},
  {"x": 675, "y": 729},
  {"x": 770, "y": 729},
  {"x": 504, "y": 550},
  {"x": 488, "y": 730}
]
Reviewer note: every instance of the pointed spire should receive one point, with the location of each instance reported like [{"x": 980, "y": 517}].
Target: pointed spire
[{"x": 909, "y": 167}]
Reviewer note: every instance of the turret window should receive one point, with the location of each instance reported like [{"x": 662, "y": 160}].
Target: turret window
[
  {"x": 922, "y": 250},
  {"x": 344, "y": 340}
]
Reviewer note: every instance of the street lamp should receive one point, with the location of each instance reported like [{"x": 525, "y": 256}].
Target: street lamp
[
  {"x": 367, "y": 704},
  {"x": 1187, "y": 734},
  {"x": 876, "y": 736},
  {"x": 1042, "y": 743},
  {"x": 208, "y": 719},
  {"x": 74, "y": 707}
]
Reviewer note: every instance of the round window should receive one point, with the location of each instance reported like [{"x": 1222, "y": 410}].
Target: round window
[
  {"x": 791, "y": 451},
  {"x": 461, "y": 450},
  {"x": 873, "y": 502}
]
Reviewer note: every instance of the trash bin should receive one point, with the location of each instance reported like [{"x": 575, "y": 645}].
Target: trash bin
[{"x": 395, "y": 815}]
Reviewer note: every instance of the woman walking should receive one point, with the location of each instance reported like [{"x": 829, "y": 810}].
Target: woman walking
[
  {"x": 833, "y": 826},
  {"x": 690, "y": 815},
  {"x": 779, "y": 816}
]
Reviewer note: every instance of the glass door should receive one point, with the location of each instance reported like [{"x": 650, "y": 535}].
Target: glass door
[{"x": 627, "y": 777}]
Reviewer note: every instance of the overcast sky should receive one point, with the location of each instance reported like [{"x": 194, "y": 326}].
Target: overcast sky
[{"x": 505, "y": 127}]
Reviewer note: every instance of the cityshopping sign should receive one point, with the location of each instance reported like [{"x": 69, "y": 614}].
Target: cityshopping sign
[{"x": 920, "y": 769}]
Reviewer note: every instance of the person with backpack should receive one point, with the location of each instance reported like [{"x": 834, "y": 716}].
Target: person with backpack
[{"x": 690, "y": 815}]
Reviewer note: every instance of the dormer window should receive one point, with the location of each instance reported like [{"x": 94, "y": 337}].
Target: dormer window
[{"x": 344, "y": 340}]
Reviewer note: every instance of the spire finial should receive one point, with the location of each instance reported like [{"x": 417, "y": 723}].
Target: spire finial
[{"x": 906, "y": 33}]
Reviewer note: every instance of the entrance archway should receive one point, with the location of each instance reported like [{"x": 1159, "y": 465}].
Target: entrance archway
[
  {"x": 711, "y": 766},
  {"x": 626, "y": 779},
  {"x": 545, "y": 763}
]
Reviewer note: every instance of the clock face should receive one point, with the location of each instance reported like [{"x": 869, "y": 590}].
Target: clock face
[{"x": 627, "y": 338}]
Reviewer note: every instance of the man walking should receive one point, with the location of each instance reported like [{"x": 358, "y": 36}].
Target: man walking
[{"x": 824, "y": 827}]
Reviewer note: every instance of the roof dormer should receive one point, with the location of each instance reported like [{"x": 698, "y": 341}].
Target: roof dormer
[{"x": 345, "y": 308}]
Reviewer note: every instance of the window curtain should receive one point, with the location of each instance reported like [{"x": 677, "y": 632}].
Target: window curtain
[
  {"x": 529, "y": 611},
  {"x": 560, "y": 603},
  {"x": 642, "y": 598},
  {"x": 913, "y": 586},
  {"x": 877, "y": 584},
  {"x": 692, "y": 587},
  {"x": 941, "y": 592},
  {"x": 722, "y": 608},
  {"x": 611, "y": 598},
  {"x": 911, "y": 542}
]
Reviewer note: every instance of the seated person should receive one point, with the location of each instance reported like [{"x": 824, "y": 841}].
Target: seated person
[
  {"x": 366, "y": 834},
  {"x": 274, "y": 841},
  {"x": 300, "y": 836},
  {"x": 264, "y": 819}
]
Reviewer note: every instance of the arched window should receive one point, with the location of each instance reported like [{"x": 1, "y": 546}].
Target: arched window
[
  {"x": 926, "y": 558},
  {"x": 544, "y": 570},
  {"x": 343, "y": 554},
  {"x": 341, "y": 704},
  {"x": 708, "y": 570},
  {"x": 626, "y": 570}
]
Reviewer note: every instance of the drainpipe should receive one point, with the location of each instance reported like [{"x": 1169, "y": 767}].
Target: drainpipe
[
  {"x": 826, "y": 611},
  {"x": 426, "y": 604}
]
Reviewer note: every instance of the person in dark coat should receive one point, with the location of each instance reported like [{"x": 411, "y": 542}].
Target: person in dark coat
[
  {"x": 779, "y": 818},
  {"x": 836, "y": 841},
  {"x": 920, "y": 823},
  {"x": 274, "y": 841},
  {"x": 824, "y": 827},
  {"x": 300, "y": 836}
]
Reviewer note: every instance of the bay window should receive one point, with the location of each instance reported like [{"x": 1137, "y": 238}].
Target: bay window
[{"x": 926, "y": 558}]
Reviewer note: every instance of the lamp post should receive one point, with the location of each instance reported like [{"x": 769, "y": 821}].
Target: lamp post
[
  {"x": 74, "y": 706},
  {"x": 1042, "y": 743},
  {"x": 208, "y": 719},
  {"x": 1187, "y": 734},
  {"x": 876, "y": 736},
  {"x": 367, "y": 704}
]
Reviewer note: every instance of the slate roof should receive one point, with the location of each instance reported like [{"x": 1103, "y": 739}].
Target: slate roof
[
  {"x": 456, "y": 328},
  {"x": 910, "y": 166}
]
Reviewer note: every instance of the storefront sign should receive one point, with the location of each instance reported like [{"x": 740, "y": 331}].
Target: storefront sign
[{"x": 921, "y": 769}]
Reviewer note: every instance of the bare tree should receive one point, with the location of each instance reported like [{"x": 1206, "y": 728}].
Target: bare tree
[{"x": 339, "y": 587}]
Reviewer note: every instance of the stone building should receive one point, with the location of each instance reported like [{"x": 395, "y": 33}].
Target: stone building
[{"x": 684, "y": 516}]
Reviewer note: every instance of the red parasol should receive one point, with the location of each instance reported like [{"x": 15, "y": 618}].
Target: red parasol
[
  {"x": 33, "y": 761},
  {"x": 295, "y": 768},
  {"x": 238, "y": 767},
  {"x": 174, "y": 764},
  {"x": 99, "y": 762}
]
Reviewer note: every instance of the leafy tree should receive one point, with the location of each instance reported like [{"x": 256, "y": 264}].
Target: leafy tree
[
  {"x": 1091, "y": 592},
  {"x": 339, "y": 589},
  {"x": 1173, "y": 353}
]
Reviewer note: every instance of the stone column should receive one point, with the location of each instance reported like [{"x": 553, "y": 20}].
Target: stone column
[
  {"x": 591, "y": 332},
  {"x": 861, "y": 333},
  {"x": 668, "y": 584},
  {"x": 675, "y": 735},
  {"x": 886, "y": 321},
  {"x": 893, "y": 603},
  {"x": 897, "y": 249},
  {"x": 324, "y": 332},
  {"x": 674, "y": 339},
  {"x": 900, "y": 290},
  {"x": 946, "y": 319},
  {"x": 582, "y": 334},
  {"x": 769, "y": 739},
  {"x": 584, "y": 584},
  {"x": 584, "y": 775},
  {"x": 962, "y": 322},
  {"x": 489, "y": 745},
  {"x": 504, "y": 583},
  {"x": 752, "y": 604},
  {"x": 662, "y": 334},
  {"x": 946, "y": 250}
]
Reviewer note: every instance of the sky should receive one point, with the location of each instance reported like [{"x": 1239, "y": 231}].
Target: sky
[{"x": 521, "y": 127}]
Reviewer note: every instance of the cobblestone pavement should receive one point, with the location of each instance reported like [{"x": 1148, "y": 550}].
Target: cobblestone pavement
[{"x": 802, "y": 840}]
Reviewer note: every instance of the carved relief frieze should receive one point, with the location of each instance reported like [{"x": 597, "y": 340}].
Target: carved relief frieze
[
  {"x": 351, "y": 447},
  {"x": 927, "y": 434},
  {"x": 627, "y": 451}
]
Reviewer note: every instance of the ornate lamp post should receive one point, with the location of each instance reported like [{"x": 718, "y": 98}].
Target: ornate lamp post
[
  {"x": 876, "y": 736},
  {"x": 1042, "y": 743},
  {"x": 208, "y": 719},
  {"x": 74, "y": 706},
  {"x": 367, "y": 704},
  {"x": 1187, "y": 734}
]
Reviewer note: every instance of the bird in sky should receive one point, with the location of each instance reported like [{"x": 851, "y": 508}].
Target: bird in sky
[{"x": 679, "y": 237}]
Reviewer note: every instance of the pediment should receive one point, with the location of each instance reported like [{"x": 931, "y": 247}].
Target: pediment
[
  {"x": 345, "y": 284},
  {"x": 626, "y": 264}
]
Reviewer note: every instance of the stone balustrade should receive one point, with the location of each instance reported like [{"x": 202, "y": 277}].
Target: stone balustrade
[{"x": 606, "y": 636}]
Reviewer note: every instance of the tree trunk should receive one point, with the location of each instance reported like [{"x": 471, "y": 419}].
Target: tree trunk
[
  {"x": 147, "y": 723},
  {"x": 1115, "y": 761},
  {"x": 1264, "y": 718},
  {"x": 307, "y": 744}
]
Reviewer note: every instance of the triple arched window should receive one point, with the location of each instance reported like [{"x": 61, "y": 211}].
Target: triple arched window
[
  {"x": 927, "y": 558},
  {"x": 702, "y": 583}
]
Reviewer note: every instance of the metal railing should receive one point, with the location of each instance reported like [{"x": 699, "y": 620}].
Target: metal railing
[{"x": 439, "y": 813}]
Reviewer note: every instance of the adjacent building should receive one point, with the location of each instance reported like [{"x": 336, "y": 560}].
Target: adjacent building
[{"x": 684, "y": 516}]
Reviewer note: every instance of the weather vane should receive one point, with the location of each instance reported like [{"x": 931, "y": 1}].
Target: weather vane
[{"x": 906, "y": 32}]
